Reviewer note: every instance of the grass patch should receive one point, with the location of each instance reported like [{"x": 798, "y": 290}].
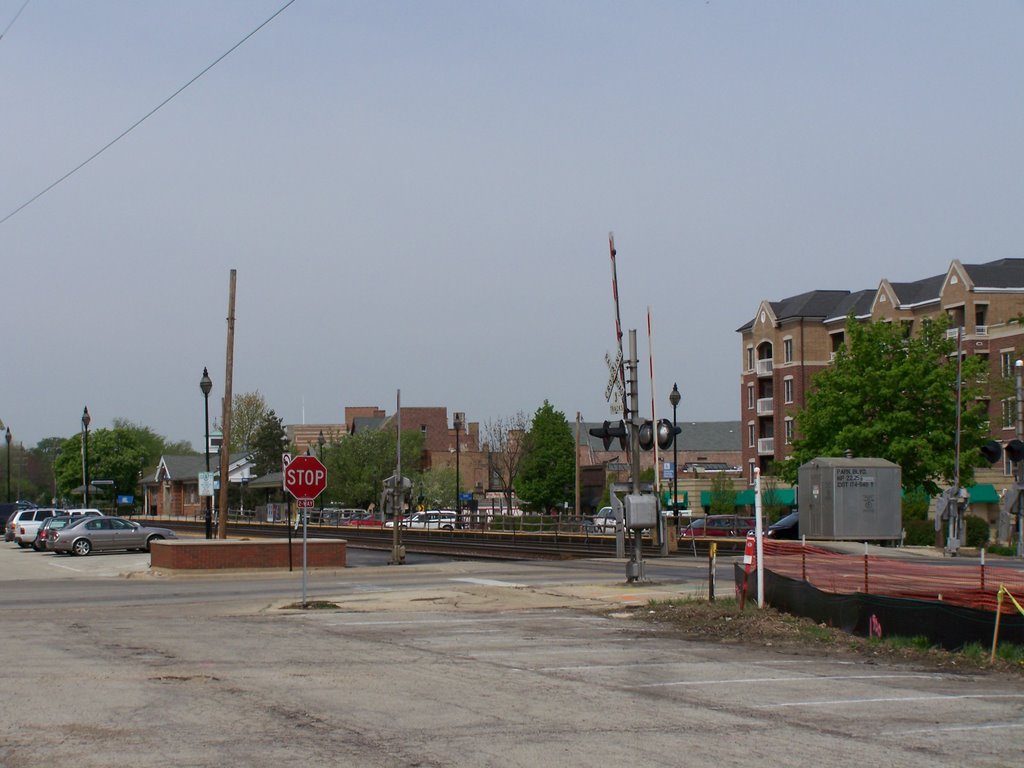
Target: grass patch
[{"x": 897, "y": 642}]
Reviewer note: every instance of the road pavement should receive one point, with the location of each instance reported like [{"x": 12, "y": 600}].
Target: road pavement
[{"x": 445, "y": 663}]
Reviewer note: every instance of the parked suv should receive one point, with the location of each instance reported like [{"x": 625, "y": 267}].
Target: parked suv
[
  {"x": 24, "y": 524},
  {"x": 430, "y": 520}
]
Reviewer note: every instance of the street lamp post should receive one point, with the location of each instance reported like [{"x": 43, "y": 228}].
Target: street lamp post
[
  {"x": 674, "y": 398},
  {"x": 458, "y": 485},
  {"x": 86, "y": 419},
  {"x": 206, "y": 384},
  {"x": 8, "y": 438}
]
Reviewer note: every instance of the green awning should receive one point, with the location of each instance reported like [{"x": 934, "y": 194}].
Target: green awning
[
  {"x": 784, "y": 496},
  {"x": 983, "y": 493},
  {"x": 745, "y": 498}
]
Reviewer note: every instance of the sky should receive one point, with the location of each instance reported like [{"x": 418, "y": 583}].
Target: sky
[{"x": 417, "y": 196}]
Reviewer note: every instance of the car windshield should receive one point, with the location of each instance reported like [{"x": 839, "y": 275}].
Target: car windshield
[{"x": 789, "y": 519}]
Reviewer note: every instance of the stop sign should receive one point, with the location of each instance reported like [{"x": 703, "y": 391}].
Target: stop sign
[{"x": 305, "y": 477}]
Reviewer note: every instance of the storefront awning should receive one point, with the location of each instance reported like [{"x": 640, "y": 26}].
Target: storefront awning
[{"x": 983, "y": 493}]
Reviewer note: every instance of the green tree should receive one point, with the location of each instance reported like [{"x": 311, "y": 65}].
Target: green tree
[
  {"x": 548, "y": 467},
  {"x": 723, "y": 495},
  {"x": 358, "y": 464},
  {"x": 893, "y": 397},
  {"x": 267, "y": 443},
  {"x": 437, "y": 487},
  {"x": 152, "y": 443},
  {"x": 248, "y": 415},
  {"x": 114, "y": 454}
]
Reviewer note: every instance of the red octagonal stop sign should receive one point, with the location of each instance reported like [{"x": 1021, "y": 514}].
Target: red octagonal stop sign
[{"x": 305, "y": 477}]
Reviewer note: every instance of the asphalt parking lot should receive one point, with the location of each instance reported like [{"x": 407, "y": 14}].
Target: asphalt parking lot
[{"x": 443, "y": 664}]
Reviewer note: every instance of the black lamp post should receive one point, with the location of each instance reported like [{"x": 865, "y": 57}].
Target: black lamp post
[
  {"x": 458, "y": 486},
  {"x": 86, "y": 419},
  {"x": 8, "y": 438},
  {"x": 674, "y": 398},
  {"x": 205, "y": 384}
]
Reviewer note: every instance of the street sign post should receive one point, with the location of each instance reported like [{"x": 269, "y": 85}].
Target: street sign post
[{"x": 305, "y": 478}]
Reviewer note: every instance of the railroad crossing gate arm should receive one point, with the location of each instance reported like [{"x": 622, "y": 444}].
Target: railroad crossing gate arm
[{"x": 1007, "y": 511}]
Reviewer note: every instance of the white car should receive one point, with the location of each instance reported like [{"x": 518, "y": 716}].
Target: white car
[
  {"x": 432, "y": 519},
  {"x": 603, "y": 521}
]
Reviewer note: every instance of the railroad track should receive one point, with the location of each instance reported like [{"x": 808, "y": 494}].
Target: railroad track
[{"x": 511, "y": 545}]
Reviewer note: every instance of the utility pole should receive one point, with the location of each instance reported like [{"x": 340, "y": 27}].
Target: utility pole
[
  {"x": 225, "y": 449},
  {"x": 1018, "y": 368}
]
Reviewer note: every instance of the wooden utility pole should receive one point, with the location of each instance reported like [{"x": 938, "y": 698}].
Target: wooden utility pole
[{"x": 225, "y": 446}]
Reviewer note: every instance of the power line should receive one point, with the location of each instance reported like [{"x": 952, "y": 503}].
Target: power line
[
  {"x": 11, "y": 23},
  {"x": 145, "y": 117}
]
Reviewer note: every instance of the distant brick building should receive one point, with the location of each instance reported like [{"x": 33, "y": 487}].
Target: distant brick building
[{"x": 788, "y": 341}]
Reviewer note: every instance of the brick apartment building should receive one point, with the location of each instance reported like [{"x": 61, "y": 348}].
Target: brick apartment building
[{"x": 789, "y": 341}]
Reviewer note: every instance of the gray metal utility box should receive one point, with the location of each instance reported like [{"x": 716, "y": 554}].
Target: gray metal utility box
[{"x": 851, "y": 499}]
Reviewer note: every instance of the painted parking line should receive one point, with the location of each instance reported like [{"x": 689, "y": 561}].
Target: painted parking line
[
  {"x": 801, "y": 679},
  {"x": 955, "y": 728},
  {"x": 892, "y": 700},
  {"x": 490, "y": 582}
]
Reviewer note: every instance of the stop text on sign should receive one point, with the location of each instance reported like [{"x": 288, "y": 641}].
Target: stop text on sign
[{"x": 305, "y": 477}]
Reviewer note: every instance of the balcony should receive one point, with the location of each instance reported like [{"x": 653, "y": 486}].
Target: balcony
[
  {"x": 766, "y": 446},
  {"x": 981, "y": 330},
  {"x": 765, "y": 367},
  {"x": 765, "y": 406}
]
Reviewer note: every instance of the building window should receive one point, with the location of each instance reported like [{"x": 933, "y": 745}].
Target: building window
[
  {"x": 750, "y": 358},
  {"x": 750, "y": 435},
  {"x": 1009, "y": 413},
  {"x": 787, "y": 350},
  {"x": 787, "y": 389},
  {"x": 750, "y": 396},
  {"x": 789, "y": 431},
  {"x": 1006, "y": 364}
]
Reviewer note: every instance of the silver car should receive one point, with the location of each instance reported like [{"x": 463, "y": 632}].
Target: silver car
[{"x": 106, "y": 533}]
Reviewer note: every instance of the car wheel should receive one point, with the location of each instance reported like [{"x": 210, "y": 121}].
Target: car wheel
[
  {"x": 81, "y": 547},
  {"x": 447, "y": 528},
  {"x": 36, "y": 547},
  {"x": 151, "y": 539},
  {"x": 22, "y": 544}
]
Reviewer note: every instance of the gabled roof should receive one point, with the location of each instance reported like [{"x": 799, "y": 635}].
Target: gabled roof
[
  {"x": 368, "y": 423},
  {"x": 1001, "y": 274},
  {"x": 179, "y": 468},
  {"x": 857, "y": 303},
  {"x": 812, "y": 305},
  {"x": 919, "y": 291}
]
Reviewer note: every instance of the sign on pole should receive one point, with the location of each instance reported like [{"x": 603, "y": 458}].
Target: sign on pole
[
  {"x": 206, "y": 483},
  {"x": 305, "y": 477}
]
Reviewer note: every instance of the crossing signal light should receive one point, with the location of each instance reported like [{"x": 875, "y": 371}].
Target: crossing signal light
[
  {"x": 992, "y": 451},
  {"x": 1015, "y": 450},
  {"x": 610, "y": 431},
  {"x": 663, "y": 432},
  {"x": 667, "y": 434}
]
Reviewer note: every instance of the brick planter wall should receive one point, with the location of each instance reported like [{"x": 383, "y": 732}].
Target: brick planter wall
[{"x": 214, "y": 554}]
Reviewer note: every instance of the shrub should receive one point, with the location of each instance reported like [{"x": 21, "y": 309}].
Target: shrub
[
  {"x": 977, "y": 531},
  {"x": 920, "y": 533}
]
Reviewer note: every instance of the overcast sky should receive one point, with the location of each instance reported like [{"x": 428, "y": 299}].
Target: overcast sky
[{"x": 418, "y": 195}]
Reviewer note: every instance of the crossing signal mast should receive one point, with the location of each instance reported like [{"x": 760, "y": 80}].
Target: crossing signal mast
[{"x": 637, "y": 510}]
